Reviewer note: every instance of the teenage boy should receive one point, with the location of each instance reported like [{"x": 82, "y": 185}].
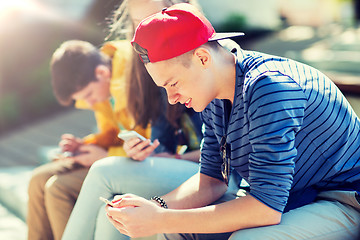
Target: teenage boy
[
  {"x": 95, "y": 79},
  {"x": 284, "y": 127}
]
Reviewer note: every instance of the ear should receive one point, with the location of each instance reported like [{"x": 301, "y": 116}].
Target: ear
[
  {"x": 103, "y": 72},
  {"x": 203, "y": 56}
]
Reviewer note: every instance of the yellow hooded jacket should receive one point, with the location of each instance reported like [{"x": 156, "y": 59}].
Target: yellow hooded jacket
[{"x": 111, "y": 117}]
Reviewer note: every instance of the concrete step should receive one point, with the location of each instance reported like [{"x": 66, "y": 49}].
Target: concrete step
[
  {"x": 11, "y": 227},
  {"x": 13, "y": 187},
  {"x": 13, "y": 201}
]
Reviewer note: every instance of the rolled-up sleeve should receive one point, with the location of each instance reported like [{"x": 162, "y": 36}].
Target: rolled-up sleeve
[{"x": 276, "y": 112}]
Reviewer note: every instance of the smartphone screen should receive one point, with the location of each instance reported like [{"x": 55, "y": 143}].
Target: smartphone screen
[{"x": 127, "y": 135}]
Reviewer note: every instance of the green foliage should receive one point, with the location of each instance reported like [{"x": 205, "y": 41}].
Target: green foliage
[
  {"x": 40, "y": 98},
  {"x": 234, "y": 22},
  {"x": 9, "y": 109},
  {"x": 26, "y": 93}
]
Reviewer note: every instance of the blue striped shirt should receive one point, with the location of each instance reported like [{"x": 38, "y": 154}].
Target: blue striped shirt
[{"x": 290, "y": 130}]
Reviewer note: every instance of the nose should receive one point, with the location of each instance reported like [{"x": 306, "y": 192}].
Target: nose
[{"x": 172, "y": 97}]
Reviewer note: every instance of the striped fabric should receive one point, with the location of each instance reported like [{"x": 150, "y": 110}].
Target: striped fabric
[{"x": 291, "y": 132}]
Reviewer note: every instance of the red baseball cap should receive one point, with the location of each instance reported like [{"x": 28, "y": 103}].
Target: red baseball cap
[{"x": 174, "y": 31}]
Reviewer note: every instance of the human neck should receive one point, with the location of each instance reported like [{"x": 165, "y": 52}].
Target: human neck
[{"x": 226, "y": 75}]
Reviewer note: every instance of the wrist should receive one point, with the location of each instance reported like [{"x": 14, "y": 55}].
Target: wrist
[
  {"x": 160, "y": 201},
  {"x": 177, "y": 156}
]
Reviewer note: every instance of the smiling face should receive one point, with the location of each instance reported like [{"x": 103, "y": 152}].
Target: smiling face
[{"x": 191, "y": 84}]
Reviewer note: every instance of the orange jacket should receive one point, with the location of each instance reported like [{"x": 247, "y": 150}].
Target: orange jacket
[{"x": 112, "y": 115}]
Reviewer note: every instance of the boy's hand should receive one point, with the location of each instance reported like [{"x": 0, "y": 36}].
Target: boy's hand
[
  {"x": 138, "y": 149},
  {"x": 141, "y": 220},
  {"x": 69, "y": 143},
  {"x": 88, "y": 154}
]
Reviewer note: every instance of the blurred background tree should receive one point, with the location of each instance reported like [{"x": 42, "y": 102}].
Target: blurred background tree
[{"x": 30, "y": 31}]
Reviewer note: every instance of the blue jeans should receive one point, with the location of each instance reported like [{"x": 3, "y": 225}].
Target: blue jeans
[
  {"x": 118, "y": 175},
  {"x": 335, "y": 215}
]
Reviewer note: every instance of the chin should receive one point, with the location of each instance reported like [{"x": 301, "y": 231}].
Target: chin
[{"x": 198, "y": 109}]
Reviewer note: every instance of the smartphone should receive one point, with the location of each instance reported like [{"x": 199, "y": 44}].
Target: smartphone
[
  {"x": 112, "y": 204},
  {"x": 127, "y": 135},
  {"x": 62, "y": 155},
  {"x": 106, "y": 201}
]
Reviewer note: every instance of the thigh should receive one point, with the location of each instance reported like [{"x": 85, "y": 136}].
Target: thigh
[
  {"x": 117, "y": 175},
  {"x": 41, "y": 174},
  {"x": 54, "y": 167},
  {"x": 153, "y": 176},
  {"x": 67, "y": 183},
  {"x": 323, "y": 219}
]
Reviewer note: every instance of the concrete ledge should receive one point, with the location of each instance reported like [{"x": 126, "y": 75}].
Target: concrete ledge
[
  {"x": 11, "y": 227},
  {"x": 347, "y": 83},
  {"x": 13, "y": 202},
  {"x": 13, "y": 188}
]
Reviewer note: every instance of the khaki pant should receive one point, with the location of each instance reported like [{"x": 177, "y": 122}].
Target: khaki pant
[{"x": 53, "y": 190}]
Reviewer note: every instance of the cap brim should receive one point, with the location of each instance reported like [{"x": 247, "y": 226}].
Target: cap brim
[{"x": 219, "y": 36}]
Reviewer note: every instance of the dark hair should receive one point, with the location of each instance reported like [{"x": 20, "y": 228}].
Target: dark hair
[
  {"x": 73, "y": 67},
  {"x": 120, "y": 25},
  {"x": 145, "y": 101}
]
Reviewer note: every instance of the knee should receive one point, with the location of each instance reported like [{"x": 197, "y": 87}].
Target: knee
[
  {"x": 262, "y": 233},
  {"x": 101, "y": 167},
  {"x": 38, "y": 181},
  {"x": 56, "y": 193},
  {"x": 52, "y": 187}
]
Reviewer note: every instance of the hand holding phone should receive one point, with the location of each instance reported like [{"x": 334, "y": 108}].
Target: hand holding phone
[
  {"x": 127, "y": 135},
  {"x": 136, "y": 146},
  {"x": 62, "y": 156},
  {"x": 111, "y": 204}
]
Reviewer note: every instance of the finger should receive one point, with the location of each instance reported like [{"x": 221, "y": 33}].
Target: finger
[
  {"x": 133, "y": 148},
  {"x": 117, "y": 198},
  {"x": 66, "y": 148},
  {"x": 64, "y": 142},
  {"x": 68, "y": 145},
  {"x": 86, "y": 148},
  {"x": 120, "y": 227},
  {"x": 155, "y": 144},
  {"x": 81, "y": 159},
  {"x": 128, "y": 146},
  {"x": 133, "y": 142},
  {"x": 145, "y": 152},
  {"x": 131, "y": 201},
  {"x": 67, "y": 136},
  {"x": 143, "y": 144},
  {"x": 117, "y": 201}
]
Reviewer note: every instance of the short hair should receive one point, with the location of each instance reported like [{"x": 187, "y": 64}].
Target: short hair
[
  {"x": 184, "y": 59},
  {"x": 73, "y": 67}
]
